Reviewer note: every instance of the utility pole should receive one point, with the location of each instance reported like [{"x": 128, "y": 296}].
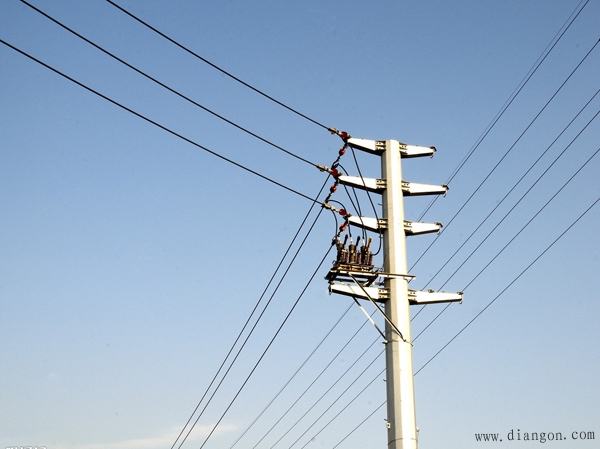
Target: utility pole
[{"x": 357, "y": 279}]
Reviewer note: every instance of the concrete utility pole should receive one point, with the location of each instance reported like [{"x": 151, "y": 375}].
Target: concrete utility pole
[
  {"x": 395, "y": 294},
  {"x": 401, "y": 415}
]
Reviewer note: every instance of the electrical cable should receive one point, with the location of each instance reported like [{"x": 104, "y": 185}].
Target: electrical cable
[
  {"x": 505, "y": 155},
  {"x": 309, "y": 386},
  {"x": 561, "y": 235},
  {"x": 511, "y": 283},
  {"x": 565, "y": 184},
  {"x": 173, "y": 41},
  {"x": 370, "y": 200},
  {"x": 527, "y": 192},
  {"x": 448, "y": 305},
  {"x": 340, "y": 154},
  {"x": 291, "y": 378},
  {"x": 250, "y": 317},
  {"x": 340, "y": 396},
  {"x": 158, "y": 125},
  {"x": 506, "y": 196},
  {"x": 513, "y": 238},
  {"x": 338, "y": 414},
  {"x": 152, "y": 122},
  {"x": 250, "y": 333},
  {"x": 167, "y": 87},
  {"x": 512, "y": 97},
  {"x": 360, "y": 424},
  {"x": 328, "y": 390},
  {"x": 521, "y": 179},
  {"x": 267, "y": 348}
]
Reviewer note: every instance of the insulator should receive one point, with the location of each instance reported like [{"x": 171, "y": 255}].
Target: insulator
[
  {"x": 333, "y": 188},
  {"x": 343, "y": 212},
  {"x": 342, "y": 151},
  {"x": 352, "y": 252},
  {"x": 335, "y": 173}
]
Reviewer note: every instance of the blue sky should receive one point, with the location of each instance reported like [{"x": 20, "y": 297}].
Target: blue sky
[{"x": 130, "y": 259}]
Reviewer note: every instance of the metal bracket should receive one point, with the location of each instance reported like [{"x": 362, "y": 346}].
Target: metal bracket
[
  {"x": 369, "y": 184},
  {"x": 387, "y": 319},
  {"x": 415, "y": 189},
  {"x": 432, "y": 297},
  {"x": 378, "y": 147},
  {"x": 376, "y": 225}
]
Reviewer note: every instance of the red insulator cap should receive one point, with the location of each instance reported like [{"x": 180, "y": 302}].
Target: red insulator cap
[
  {"x": 343, "y": 228},
  {"x": 342, "y": 151},
  {"x": 343, "y": 212},
  {"x": 335, "y": 173},
  {"x": 344, "y": 135},
  {"x": 333, "y": 188}
]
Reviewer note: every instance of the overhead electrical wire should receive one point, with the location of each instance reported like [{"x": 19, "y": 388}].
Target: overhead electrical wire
[
  {"x": 514, "y": 237},
  {"x": 373, "y": 412},
  {"x": 516, "y": 204},
  {"x": 512, "y": 97},
  {"x": 154, "y": 123},
  {"x": 510, "y": 241},
  {"x": 250, "y": 317},
  {"x": 327, "y": 391},
  {"x": 158, "y": 125},
  {"x": 370, "y": 199},
  {"x": 188, "y": 99},
  {"x": 512, "y": 282},
  {"x": 267, "y": 348},
  {"x": 292, "y": 377},
  {"x": 196, "y": 55},
  {"x": 505, "y": 154},
  {"x": 526, "y": 193},
  {"x": 498, "y": 204},
  {"x": 338, "y": 414},
  {"x": 301, "y": 394},
  {"x": 340, "y": 154},
  {"x": 561, "y": 235},
  {"x": 334, "y": 402}
]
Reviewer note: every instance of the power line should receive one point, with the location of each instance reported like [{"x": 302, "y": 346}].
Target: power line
[
  {"x": 292, "y": 377},
  {"x": 343, "y": 393},
  {"x": 248, "y": 321},
  {"x": 306, "y": 389},
  {"x": 164, "y": 128},
  {"x": 217, "y": 67},
  {"x": 199, "y": 146},
  {"x": 338, "y": 414},
  {"x": 506, "y": 154},
  {"x": 327, "y": 391},
  {"x": 521, "y": 179},
  {"x": 361, "y": 423},
  {"x": 512, "y": 97},
  {"x": 527, "y": 192},
  {"x": 561, "y": 235},
  {"x": 511, "y": 283},
  {"x": 267, "y": 348},
  {"x": 513, "y": 238},
  {"x": 167, "y": 87},
  {"x": 516, "y": 234}
]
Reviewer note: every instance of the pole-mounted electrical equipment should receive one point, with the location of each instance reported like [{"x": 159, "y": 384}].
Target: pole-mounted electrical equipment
[{"x": 353, "y": 274}]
